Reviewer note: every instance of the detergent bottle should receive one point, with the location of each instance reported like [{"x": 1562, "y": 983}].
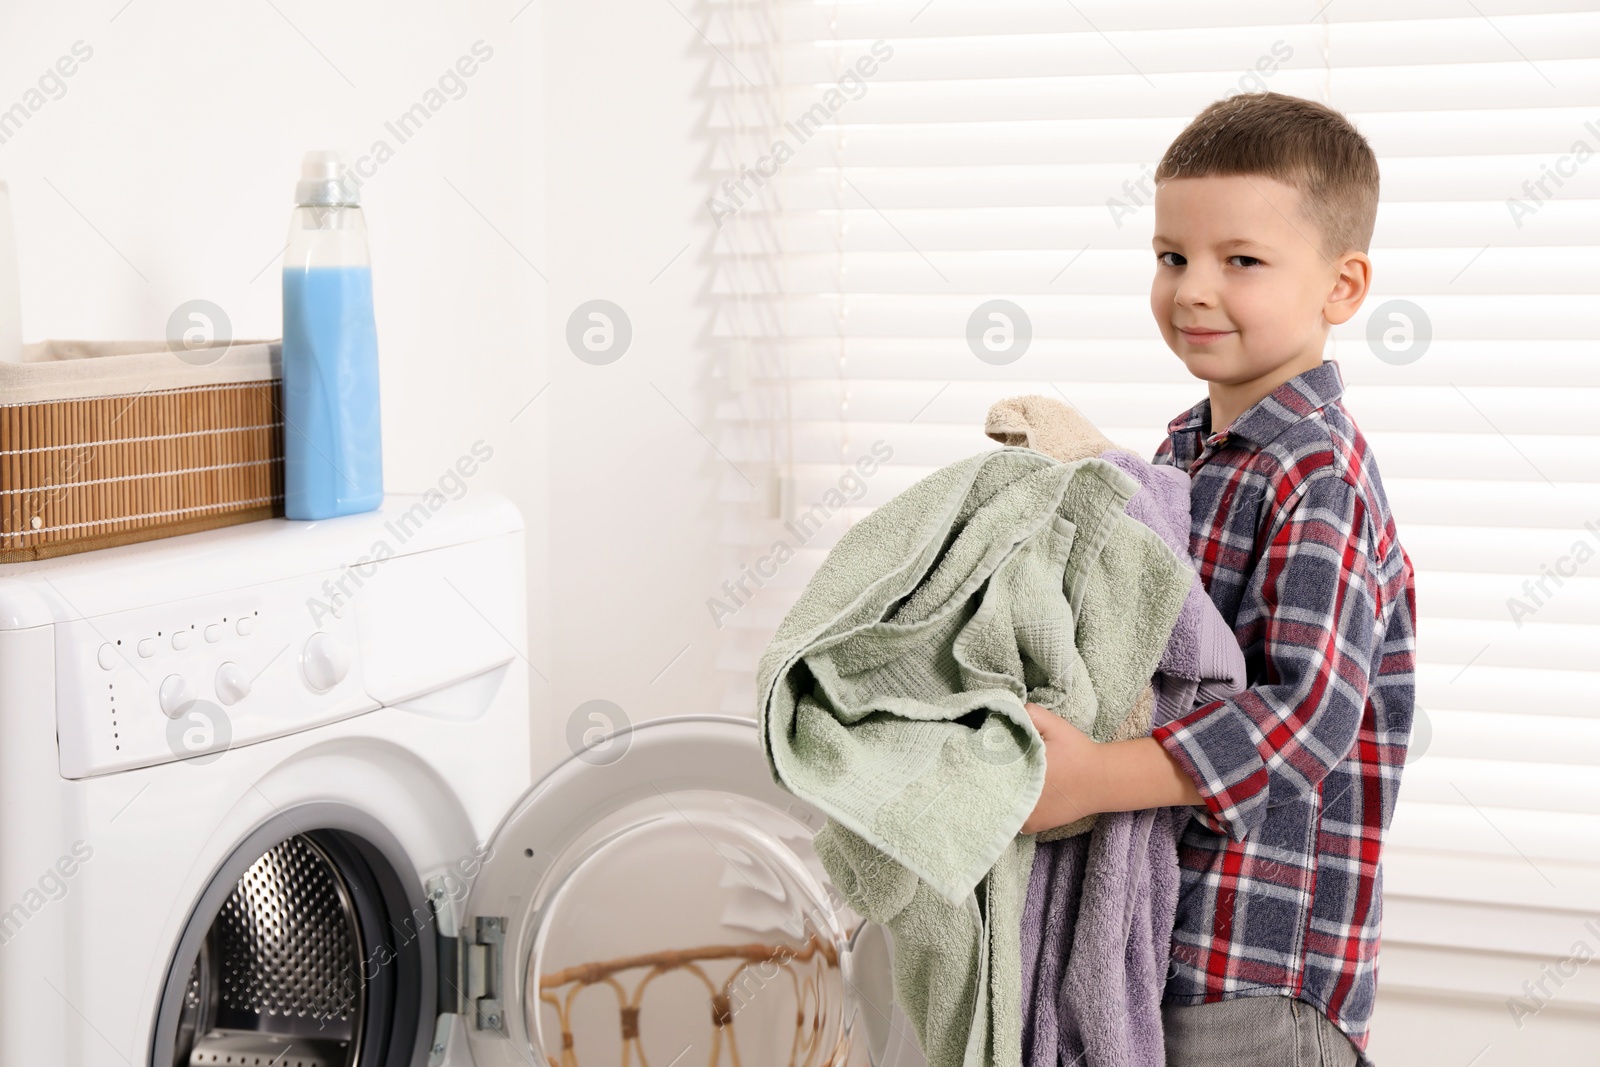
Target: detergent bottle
[{"x": 332, "y": 440}]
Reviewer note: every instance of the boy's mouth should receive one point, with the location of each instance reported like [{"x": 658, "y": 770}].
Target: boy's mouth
[{"x": 1199, "y": 336}]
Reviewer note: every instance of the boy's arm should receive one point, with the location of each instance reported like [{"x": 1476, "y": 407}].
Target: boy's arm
[
  {"x": 1276, "y": 740},
  {"x": 1084, "y": 776}
]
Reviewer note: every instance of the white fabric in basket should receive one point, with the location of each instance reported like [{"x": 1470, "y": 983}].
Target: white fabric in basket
[{"x": 72, "y": 370}]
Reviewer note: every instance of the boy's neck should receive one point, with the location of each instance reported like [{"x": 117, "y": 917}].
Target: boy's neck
[{"x": 1229, "y": 400}]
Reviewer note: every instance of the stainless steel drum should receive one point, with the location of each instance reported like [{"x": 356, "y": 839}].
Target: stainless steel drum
[
  {"x": 308, "y": 949},
  {"x": 280, "y": 973}
]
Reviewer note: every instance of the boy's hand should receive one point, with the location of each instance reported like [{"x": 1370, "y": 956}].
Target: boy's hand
[
  {"x": 1083, "y": 777},
  {"x": 1071, "y": 769}
]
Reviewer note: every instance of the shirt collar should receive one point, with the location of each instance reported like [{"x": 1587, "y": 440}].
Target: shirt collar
[{"x": 1274, "y": 413}]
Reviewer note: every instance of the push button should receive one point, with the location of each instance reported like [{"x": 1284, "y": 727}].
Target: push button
[
  {"x": 213, "y": 634},
  {"x": 106, "y": 657},
  {"x": 147, "y": 647}
]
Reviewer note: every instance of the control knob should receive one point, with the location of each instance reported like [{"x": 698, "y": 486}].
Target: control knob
[
  {"x": 175, "y": 694},
  {"x": 233, "y": 685},
  {"x": 324, "y": 661}
]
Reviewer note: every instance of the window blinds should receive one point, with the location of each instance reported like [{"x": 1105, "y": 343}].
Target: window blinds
[{"x": 882, "y": 169}]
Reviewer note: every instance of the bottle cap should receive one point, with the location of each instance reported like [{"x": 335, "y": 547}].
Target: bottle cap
[{"x": 327, "y": 178}]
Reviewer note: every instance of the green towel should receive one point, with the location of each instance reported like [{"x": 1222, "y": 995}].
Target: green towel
[{"x": 891, "y": 698}]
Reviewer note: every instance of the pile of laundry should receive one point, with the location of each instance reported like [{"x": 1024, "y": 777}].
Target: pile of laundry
[{"x": 1054, "y": 570}]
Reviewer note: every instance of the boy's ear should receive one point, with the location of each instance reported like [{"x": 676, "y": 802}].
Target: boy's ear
[{"x": 1352, "y": 280}]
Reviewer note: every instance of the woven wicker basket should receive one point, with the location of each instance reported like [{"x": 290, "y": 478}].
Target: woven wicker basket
[{"x": 107, "y": 443}]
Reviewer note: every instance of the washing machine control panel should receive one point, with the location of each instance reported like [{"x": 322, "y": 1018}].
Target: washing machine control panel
[{"x": 194, "y": 678}]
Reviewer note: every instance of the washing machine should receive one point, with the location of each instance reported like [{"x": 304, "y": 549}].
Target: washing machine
[{"x": 271, "y": 796}]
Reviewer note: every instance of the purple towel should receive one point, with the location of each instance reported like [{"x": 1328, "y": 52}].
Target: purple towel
[
  {"x": 1097, "y": 924},
  {"x": 1202, "y": 660},
  {"x": 1096, "y": 935}
]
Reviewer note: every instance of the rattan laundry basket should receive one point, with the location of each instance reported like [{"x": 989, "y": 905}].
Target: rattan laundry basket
[{"x": 107, "y": 443}]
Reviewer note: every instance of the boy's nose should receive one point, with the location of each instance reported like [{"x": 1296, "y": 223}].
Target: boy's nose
[{"x": 1196, "y": 288}]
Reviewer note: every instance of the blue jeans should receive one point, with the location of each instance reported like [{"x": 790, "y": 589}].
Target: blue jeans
[{"x": 1260, "y": 1031}]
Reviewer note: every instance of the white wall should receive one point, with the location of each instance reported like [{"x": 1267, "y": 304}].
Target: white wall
[
  {"x": 567, "y": 167},
  {"x": 632, "y": 479},
  {"x": 166, "y": 169}
]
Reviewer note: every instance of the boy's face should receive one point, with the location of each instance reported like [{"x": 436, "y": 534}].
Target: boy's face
[{"x": 1235, "y": 256}]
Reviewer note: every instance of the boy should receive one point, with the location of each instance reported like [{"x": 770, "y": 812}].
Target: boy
[{"x": 1264, "y": 210}]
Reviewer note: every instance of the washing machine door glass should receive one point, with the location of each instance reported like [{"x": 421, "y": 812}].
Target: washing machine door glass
[{"x": 656, "y": 901}]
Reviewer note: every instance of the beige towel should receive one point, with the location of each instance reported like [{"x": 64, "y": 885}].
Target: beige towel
[{"x": 1046, "y": 424}]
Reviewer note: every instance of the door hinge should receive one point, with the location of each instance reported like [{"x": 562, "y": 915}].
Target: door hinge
[
  {"x": 470, "y": 969},
  {"x": 484, "y": 954}
]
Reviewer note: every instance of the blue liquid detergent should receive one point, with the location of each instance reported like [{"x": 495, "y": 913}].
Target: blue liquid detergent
[{"x": 332, "y": 441}]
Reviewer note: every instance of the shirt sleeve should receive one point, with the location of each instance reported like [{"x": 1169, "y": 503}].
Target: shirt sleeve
[{"x": 1277, "y": 740}]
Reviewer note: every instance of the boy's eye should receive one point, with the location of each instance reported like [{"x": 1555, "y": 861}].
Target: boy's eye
[{"x": 1247, "y": 261}]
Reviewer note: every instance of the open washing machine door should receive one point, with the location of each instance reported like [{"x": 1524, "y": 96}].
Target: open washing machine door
[{"x": 656, "y": 900}]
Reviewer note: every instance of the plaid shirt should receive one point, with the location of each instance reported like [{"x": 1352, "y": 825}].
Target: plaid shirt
[{"x": 1281, "y": 883}]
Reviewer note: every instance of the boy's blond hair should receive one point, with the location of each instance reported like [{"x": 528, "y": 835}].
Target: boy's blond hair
[{"x": 1299, "y": 142}]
